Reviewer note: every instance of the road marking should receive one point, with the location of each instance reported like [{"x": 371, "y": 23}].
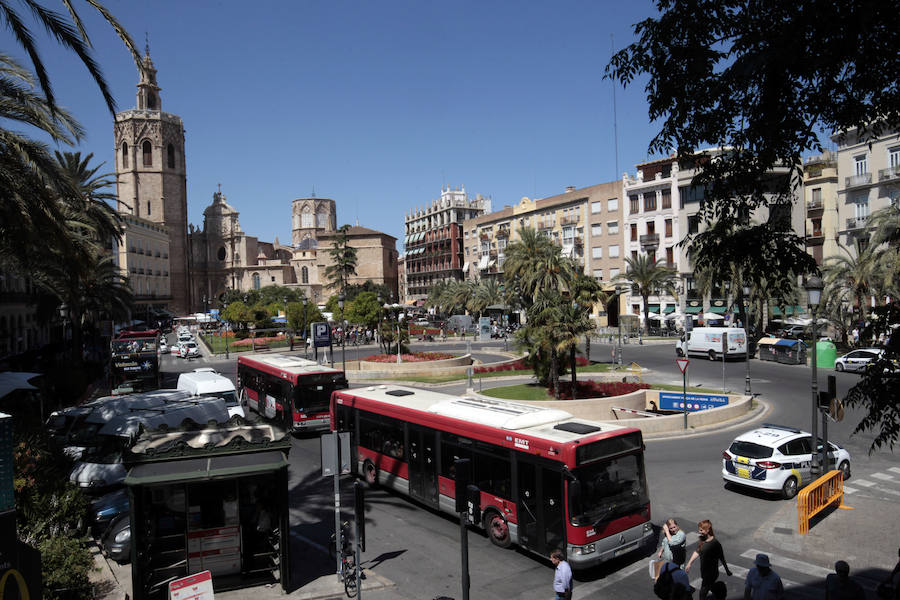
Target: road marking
[
  {"x": 883, "y": 476},
  {"x": 849, "y": 490},
  {"x": 740, "y": 573},
  {"x": 583, "y": 591},
  {"x": 894, "y": 469},
  {"x": 789, "y": 563},
  {"x": 863, "y": 483}
]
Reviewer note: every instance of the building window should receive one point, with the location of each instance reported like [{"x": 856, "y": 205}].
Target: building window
[
  {"x": 596, "y": 207},
  {"x": 148, "y": 208},
  {"x": 221, "y": 253},
  {"x": 613, "y": 273},
  {"x": 816, "y": 196},
  {"x": 255, "y": 279},
  {"x": 612, "y": 228},
  {"x": 649, "y": 201},
  {"x": 634, "y": 205},
  {"x": 634, "y": 235},
  {"x": 148, "y": 153},
  {"x": 598, "y": 274},
  {"x": 612, "y": 205},
  {"x": 124, "y": 154},
  {"x": 614, "y": 251},
  {"x": 894, "y": 158},
  {"x": 597, "y": 252},
  {"x": 304, "y": 275},
  {"x": 170, "y": 156},
  {"x": 596, "y": 229},
  {"x": 666, "y": 199},
  {"x": 861, "y": 164},
  {"x": 861, "y": 207},
  {"x": 693, "y": 224},
  {"x": 651, "y": 227},
  {"x": 668, "y": 227},
  {"x": 670, "y": 257}
]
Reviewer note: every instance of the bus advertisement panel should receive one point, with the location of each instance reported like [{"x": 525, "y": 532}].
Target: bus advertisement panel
[
  {"x": 546, "y": 479},
  {"x": 293, "y": 391},
  {"x": 134, "y": 362}
]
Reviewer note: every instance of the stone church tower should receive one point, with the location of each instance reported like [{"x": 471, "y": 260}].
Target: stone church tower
[
  {"x": 309, "y": 218},
  {"x": 150, "y": 175}
]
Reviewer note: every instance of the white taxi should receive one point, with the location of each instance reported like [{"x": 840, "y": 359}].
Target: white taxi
[{"x": 777, "y": 459}]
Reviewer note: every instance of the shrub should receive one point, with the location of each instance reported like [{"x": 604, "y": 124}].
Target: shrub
[
  {"x": 417, "y": 357},
  {"x": 65, "y": 564}
]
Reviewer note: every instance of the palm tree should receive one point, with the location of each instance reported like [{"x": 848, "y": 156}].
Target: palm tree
[
  {"x": 573, "y": 322},
  {"x": 587, "y": 293},
  {"x": 343, "y": 260},
  {"x": 543, "y": 338},
  {"x": 650, "y": 277},
  {"x": 857, "y": 277},
  {"x": 887, "y": 231},
  {"x": 535, "y": 262},
  {"x": 484, "y": 294}
]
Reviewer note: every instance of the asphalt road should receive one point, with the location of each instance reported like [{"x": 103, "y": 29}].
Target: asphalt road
[{"x": 418, "y": 549}]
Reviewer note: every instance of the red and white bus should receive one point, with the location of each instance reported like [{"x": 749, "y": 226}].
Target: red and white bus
[
  {"x": 294, "y": 391},
  {"x": 547, "y": 480}
]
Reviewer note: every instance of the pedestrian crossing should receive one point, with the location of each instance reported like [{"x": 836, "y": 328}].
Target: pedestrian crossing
[
  {"x": 801, "y": 580},
  {"x": 883, "y": 484}
]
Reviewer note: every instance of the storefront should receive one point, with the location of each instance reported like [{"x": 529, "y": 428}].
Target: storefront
[{"x": 209, "y": 500}]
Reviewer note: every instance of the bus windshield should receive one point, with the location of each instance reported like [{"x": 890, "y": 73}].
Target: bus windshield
[
  {"x": 609, "y": 489},
  {"x": 313, "y": 395}
]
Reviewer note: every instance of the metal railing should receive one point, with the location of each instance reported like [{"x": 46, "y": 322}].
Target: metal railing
[
  {"x": 889, "y": 173},
  {"x": 817, "y": 496},
  {"x": 860, "y": 179}
]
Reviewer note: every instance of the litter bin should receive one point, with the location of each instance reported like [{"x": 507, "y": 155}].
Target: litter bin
[
  {"x": 825, "y": 354},
  {"x": 766, "y": 348},
  {"x": 790, "y": 352}
]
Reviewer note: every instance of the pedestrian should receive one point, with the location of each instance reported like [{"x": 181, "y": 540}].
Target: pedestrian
[
  {"x": 762, "y": 582},
  {"x": 710, "y": 553},
  {"x": 889, "y": 589},
  {"x": 672, "y": 583},
  {"x": 839, "y": 585},
  {"x": 562, "y": 579},
  {"x": 673, "y": 547}
]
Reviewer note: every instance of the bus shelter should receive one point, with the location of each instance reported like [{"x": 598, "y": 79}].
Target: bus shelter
[{"x": 214, "y": 499}]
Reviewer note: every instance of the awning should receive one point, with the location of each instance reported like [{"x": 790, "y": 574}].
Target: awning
[
  {"x": 767, "y": 340},
  {"x": 693, "y": 310},
  {"x": 465, "y": 267},
  {"x": 788, "y": 310},
  {"x": 203, "y": 469},
  {"x": 711, "y": 316},
  {"x": 410, "y": 302},
  {"x": 654, "y": 308},
  {"x": 719, "y": 310},
  {"x": 668, "y": 310},
  {"x": 483, "y": 263}
]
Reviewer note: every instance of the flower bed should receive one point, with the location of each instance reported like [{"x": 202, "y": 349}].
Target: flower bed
[
  {"x": 424, "y": 330},
  {"x": 256, "y": 341},
  {"x": 597, "y": 389},
  {"x": 520, "y": 365},
  {"x": 417, "y": 357}
]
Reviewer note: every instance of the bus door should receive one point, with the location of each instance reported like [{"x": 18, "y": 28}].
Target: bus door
[
  {"x": 540, "y": 508},
  {"x": 422, "y": 459}
]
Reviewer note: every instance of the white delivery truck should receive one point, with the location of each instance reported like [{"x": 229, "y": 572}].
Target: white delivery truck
[
  {"x": 708, "y": 341},
  {"x": 208, "y": 383}
]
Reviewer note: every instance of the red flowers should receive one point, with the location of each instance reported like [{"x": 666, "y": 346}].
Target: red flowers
[
  {"x": 417, "y": 357},
  {"x": 597, "y": 389},
  {"x": 518, "y": 365}
]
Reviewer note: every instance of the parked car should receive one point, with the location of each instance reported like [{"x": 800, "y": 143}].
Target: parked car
[
  {"x": 794, "y": 332},
  {"x": 207, "y": 383},
  {"x": 116, "y": 541},
  {"x": 163, "y": 346},
  {"x": 105, "y": 509},
  {"x": 778, "y": 459},
  {"x": 857, "y": 360},
  {"x": 190, "y": 350}
]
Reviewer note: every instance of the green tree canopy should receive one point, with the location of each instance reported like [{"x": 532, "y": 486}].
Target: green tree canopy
[
  {"x": 365, "y": 310},
  {"x": 343, "y": 260}
]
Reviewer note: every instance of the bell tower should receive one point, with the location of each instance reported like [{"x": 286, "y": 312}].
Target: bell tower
[{"x": 151, "y": 176}]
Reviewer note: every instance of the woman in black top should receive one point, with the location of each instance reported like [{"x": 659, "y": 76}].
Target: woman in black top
[{"x": 709, "y": 550}]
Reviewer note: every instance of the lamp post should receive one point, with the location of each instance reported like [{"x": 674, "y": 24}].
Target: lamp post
[
  {"x": 305, "y": 327},
  {"x": 343, "y": 332},
  {"x": 746, "y": 291},
  {"x": 621, "y": 290},
  {"x": 814, "y": 287},
  {"x": 396, "y": 307},
  {"x": 225, "y": 308}
]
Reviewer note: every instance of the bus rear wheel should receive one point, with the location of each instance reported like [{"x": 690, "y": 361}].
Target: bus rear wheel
[
  {"x": 370, "y": 472},
  {"x": 497, "y": 529}
]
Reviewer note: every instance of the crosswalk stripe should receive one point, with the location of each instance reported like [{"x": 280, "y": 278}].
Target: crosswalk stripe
[
  {"x": 789, "y": 563},
  {"x": 894, "y": 469},
  {"x": 584, "y": 591},
  {"x": 849, "y": 490},
  {"x": 863, "y": 483},
  {"x": 882, "y": 476},
  {"x": 885, "y": 490}
]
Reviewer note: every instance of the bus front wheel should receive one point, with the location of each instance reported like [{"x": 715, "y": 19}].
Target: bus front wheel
[
  {"x": 497, "y": 529},
  {"x": 370, "y": 472}
]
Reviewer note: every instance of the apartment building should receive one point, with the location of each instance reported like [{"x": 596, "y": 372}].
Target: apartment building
[
  {"x": 143, "y": 256},
  {"x": 820, "y": 195},
  {"x": 869, "y": 180},
  {"x": 652, "y": 226},
  {"x": 434, "y": 240}
]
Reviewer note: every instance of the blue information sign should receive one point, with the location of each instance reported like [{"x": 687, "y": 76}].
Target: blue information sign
[
  {"x": 675, "y": 401},
  {"x": 321, "y": 334}
]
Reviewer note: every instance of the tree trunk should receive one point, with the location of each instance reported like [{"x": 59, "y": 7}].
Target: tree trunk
[
  {"x": 554, "y": 373},
  {"x": 572, "y": 361},
  {"x": 587, "y": 346}
]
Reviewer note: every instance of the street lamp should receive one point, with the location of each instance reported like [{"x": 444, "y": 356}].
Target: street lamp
[
  {"x": 225, "y": 308},
  {"x": 620, "y": 289},
  {"x": 814, "y": 287},
  {"x": 399, "y": 316},
  {"x": 305, "y": 327},
  {"x": 343, "y": 332},
  {"x": 746, "y": 291}
]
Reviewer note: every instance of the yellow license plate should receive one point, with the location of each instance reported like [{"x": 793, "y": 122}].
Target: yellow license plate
[
  {"x": 742, "y": 460},
  {"x": 745, "y": 473}
]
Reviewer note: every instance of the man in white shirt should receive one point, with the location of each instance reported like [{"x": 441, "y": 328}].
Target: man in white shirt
[{"x": 562, "y": 579}]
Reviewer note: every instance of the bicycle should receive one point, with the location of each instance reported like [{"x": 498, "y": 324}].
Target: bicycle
[{"x": 348, "y": 561}]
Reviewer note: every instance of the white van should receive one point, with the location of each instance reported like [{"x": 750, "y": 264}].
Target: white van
[
  {"x": 206, "y": 382},
  {"x": 708, "y": 341}
]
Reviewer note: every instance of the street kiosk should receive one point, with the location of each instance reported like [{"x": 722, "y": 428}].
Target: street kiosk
[{"x": 213, "y": 498}]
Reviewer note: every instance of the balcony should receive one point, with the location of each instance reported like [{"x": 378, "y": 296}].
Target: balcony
[
  {"x": 889, "y": 173},
  {"x": 485, "y": 237},
  {"x": 650, "y": 240},
  {"x": 858, "y": 180},
  {"x": 814, "y": 205},
  {"x": 856, "y": 223},
  {"x": 543, "y": 225},
  {"x": 503, "y": 232},
  {"x": 571, "y": 220}
]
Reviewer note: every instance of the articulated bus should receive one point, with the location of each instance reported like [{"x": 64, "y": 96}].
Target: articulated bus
[
  {"x": 294, "y": 391},
  {"x": 547, "y": 480},
  {"x": 134, "y": 362}
]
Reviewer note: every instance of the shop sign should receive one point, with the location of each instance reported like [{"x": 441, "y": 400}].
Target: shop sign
[{"x": 193, "y": 587}]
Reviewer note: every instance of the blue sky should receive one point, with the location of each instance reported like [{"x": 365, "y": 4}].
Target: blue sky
[{"x": 374, "y": 104}]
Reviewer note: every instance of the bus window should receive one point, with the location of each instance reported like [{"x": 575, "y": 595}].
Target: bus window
[
  {"x": 493, "y": 474},
  {"x": 451, "y": 451},
  {"x": 609, "y": 488},
  {"x": 382, "y": 434}
]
